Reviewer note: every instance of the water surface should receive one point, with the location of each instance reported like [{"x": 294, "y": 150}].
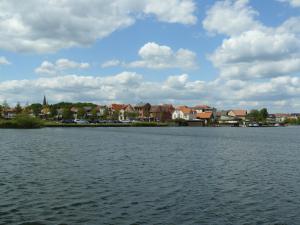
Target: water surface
[{"x": 150, "y": 176}]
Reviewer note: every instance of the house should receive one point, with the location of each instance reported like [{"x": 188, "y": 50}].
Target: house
[
  {"x": 88, "y": 111},
  {"x": 206, "y": 108},
  {"x": 184, "y": 112},
  {"x": 226, "y": 120},
  {"x": 219, "y": 114},
  {"x": 127, "y": 113},
  {"x": 116, "y": 107},
  {"x": 45, "y": 112},
  {"x": 101, "y": 110},
  {"x": 60, "y": 112},
  {"x": 74, "y": 110},
  {"x": 281, "y": 117},
  {"x": 239, "y": 113},
  {"x": 143, "y": 110},
  {"x": 161, "y": 113},
  {"x": 207, "y": 117},
  {"x": 9, "y": 113}
]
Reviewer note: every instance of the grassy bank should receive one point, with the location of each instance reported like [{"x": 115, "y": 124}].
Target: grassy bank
[{"x": 22, "y": 122}]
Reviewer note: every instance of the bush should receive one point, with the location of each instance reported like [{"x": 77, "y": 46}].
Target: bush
[{"x": 22, "y": 122}]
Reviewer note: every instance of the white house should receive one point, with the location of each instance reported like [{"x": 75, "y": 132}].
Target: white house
[{"x": 184, "y": 112}]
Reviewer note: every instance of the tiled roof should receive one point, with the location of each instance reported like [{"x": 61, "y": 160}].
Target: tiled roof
[
  {"x": 156, "y": 109},
  {"x": 118, "y": 107},
  {"x": 282, "y": 115},
  {"x": 239, "y": 112},
  {"x": 205, "y": 115},
  {"x": 185, "y": 109}
]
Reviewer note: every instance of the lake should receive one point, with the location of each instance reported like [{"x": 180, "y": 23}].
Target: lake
[{"x": 176, "y": 175}]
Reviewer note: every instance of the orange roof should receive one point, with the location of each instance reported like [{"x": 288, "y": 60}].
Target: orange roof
[
  {"x": 239, "y": 112},
  {"x": 185, "y": 109},
  {"x": 204, "y": 115},
  {"x": 118, "y": 107}
]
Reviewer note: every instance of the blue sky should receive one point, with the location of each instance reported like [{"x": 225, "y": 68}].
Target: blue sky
[{"x": 229, "y": 54}]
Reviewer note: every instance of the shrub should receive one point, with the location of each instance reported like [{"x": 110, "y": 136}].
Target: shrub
[{"x": 22, "y": 122}]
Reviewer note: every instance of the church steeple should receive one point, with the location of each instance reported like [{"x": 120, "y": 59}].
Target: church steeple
[{"x": 45, "y": 101}]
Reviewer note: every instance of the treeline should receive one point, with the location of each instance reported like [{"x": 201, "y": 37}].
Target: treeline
[
  {"x": 258, "y": 115},
  {"x": 293, "y": 121}
]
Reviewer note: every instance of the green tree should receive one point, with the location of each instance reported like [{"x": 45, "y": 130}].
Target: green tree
[
  {"x": 264, "y": 113},
  {"x": 258, "y": 115},
  {"x": 115, "y": 115},
  {"x": 18, "y": 108},
  {"x": 67, "y": 114},
  {"x": 81, "y": 113},
  {"x": 53, "y": 111},
  {"x": 94, "y": 113},
  {"x": 131, "y": 115},
  {"x": 36, "y": 108}
]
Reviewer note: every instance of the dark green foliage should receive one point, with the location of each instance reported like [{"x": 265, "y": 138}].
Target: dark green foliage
[
  {"x": 36, "y": 108},
  {"x": 18, "y": 108},
  {"x": 81, "y": 113},
  {"x": 22, "y": 122},
  {"x": 67, "y": 114},
  {"x": 293, "y": 121},
  {"x": 258, "y": 115}
]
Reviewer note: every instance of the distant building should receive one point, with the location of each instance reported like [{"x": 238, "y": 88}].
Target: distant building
[
  {"x": 281, "y": 117},
  {"x": 205, "y": 108},
  {"x": 127, "y": 113},
  {"x": 143, "y": 110},
  {"x": 239, "y": 113},
  {"x": 184, "y": 112},
  {"x": 161, "y": 113},
  {"x": 207, "y": 117},
  {"x": 9, "y": 113}
]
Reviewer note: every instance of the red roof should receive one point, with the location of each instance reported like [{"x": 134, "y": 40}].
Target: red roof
[
  {"x": 239, "y": 112},
  {"x": 205, "y": 115},
  {"x": 185, "y": 109},
  {"x": 118, "y": 107}
]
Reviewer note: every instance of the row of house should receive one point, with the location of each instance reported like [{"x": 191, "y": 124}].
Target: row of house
[{"x": 159, "y": 113}]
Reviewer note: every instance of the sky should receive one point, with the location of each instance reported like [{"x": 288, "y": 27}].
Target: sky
[{"x": 227, "y": 54}]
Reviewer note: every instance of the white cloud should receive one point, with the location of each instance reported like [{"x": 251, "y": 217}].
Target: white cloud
[
  {"x": 50, "y": 25},
  {"x": 111, "y": 63},
  {"x": 172, "y": 11},
  {"x": 252, "y": 49},
  {"x": 230, "y": 17},
  {"x": 48, "y": 68},
  {"x": 293, "y": 3},
  {"x": 4, "y": 61},
  {"x": 123, "y": 87},
  {"x": 155, "y": 56},
  {"x": 129, "y": 87}
]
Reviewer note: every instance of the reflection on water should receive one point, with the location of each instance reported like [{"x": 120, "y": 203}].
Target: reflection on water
[{"x": 150, "y": 176}]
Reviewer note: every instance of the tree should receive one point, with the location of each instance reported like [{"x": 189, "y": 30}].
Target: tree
[
  {"x": 94, "y": 113},
  {"x": 53, "y": 111},
  {"x": 115, "y": 115},
  {"x": 131, "y": 115},
  {"x": 18, "y": 108},
  {"x": 264, "y": 113},
  {"x": 258, "y": 115},
  {"x": 36, "y": 108},
  {"x": 81, "y": 113},
  {"x": 67, "y": 114}
]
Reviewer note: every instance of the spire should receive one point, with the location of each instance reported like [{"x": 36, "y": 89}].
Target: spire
[{"x": 45, "y": 101}]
